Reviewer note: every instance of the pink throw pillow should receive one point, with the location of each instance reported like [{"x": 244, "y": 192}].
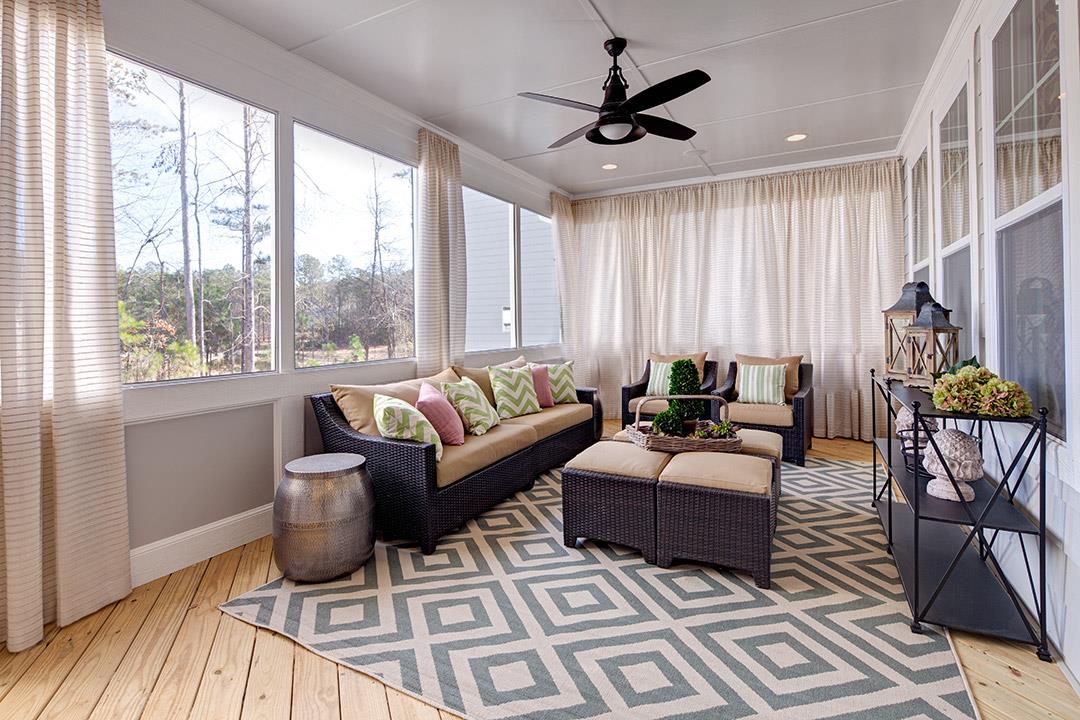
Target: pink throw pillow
[
  {"x": 441, "y": 414},
  {"x": 542, "y": 383}
]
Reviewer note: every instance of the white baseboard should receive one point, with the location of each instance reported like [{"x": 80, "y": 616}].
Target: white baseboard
[{"x": 161, "y": 557}]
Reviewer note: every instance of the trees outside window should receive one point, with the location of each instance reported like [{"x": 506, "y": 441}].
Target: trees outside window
[{"x": 193, "y": 193}]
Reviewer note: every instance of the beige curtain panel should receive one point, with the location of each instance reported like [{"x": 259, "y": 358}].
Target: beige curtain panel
[
  {"x": 774, "y": 265},
  {"x": 440, "y": 257},
  {"x": 63, "y": 518}
]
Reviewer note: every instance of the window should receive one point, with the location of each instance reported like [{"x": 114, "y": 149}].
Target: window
[
  {"x": 489, "y": 241},
  {"x": 353, "y": 269},
  {"x": 193, "y": 190},
  {"x": 920, "y": 211},
  {"x": 956, "y": 293},
  {"x": 955, "y": 185},
  {"x": 922, "y": 275},
  {"x": 1029, "y": 242},
  {"x": 1027, "y": 106},
  {"x": 541, "y": 319}
]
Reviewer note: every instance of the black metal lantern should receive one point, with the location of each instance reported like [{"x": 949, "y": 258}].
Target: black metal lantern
[{"x": 897, "y": 319}]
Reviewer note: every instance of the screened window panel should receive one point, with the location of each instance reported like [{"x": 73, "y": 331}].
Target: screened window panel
[
  {"x": 920, "y": 209},
  {"x": 540, "y": 313},
  {"x": 1031, "y": 289},
  {"x": 1027, "y": 106},
  {"x": 193, "y": 192},
  {"x": 489, "y": 238},
  {"x": 922, "y": 275},
  {"x": 956, "y": 295},
  {"x": 353, "y": 230},
  {"x": 955, "y": 188}
]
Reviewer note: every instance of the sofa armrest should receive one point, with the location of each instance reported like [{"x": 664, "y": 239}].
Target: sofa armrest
[
  {"x": 390, "y": 461},
  {"x": 591, "y": 396}
]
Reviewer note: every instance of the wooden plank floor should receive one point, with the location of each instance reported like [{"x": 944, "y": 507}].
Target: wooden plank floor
[{"x": 166, "y": 651}]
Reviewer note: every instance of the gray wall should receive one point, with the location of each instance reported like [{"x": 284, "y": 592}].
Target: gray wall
[{"x": 189, "y": 471}]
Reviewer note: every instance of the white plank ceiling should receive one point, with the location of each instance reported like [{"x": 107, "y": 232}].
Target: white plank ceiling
[{"x": 845, "y": 72}]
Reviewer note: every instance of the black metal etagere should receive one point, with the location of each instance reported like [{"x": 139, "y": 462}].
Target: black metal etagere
[{"x": 952, "y": 577}]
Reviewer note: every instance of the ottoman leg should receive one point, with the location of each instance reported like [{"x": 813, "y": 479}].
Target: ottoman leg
[
  {"x": 664, "y": 560},
  {"x": 762, "y": 578}
]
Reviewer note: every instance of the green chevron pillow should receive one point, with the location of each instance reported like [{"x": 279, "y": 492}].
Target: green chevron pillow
[
  {"x": 515, "y": 394},
  {"x": 468, "y": 399},
  {"x": 398, "y": 419},
  {"x": 563, "y": 388}
]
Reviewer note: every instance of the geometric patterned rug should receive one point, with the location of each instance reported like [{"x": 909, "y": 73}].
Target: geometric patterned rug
[{"x": 503, "y": 621}]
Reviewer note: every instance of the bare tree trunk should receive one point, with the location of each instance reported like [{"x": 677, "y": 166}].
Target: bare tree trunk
[
  {"x": 247, "y": 352},
  {"x": 204, "y": 356},
  {"x": 189, "y": 285}
]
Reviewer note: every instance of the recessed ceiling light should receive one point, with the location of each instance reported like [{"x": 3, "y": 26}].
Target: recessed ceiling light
[
  {"x": 796, "y": 137},
  {"x": 609, "y": 166}
]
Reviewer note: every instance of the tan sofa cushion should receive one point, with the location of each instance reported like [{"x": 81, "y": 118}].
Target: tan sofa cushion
[
  {"x": 619, "y": 458},
  {"x": 357, "y": 401},
  {"x": 551, "y": 420},
  {"x": 698, "y": 358},
  {"x": 721, "y": 471},
  {"x": 652, "y": 407},
  {"x": 479, "y": 451},
  {"x": 791, "y": 376},
  {"x": 762, "y": 442},
  {"x": 481, "y": 378},
  {"x": 761, "y": 414}
]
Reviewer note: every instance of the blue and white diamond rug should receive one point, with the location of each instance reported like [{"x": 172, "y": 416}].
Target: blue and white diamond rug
[{"x": 503, "y": 621}]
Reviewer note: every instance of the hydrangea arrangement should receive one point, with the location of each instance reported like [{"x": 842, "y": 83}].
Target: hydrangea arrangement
[{"x": 976, "y": 390}]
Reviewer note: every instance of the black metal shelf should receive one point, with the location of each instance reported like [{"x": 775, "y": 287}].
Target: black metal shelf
[
  {"x": 972, "y": 600},
  {"x": 944, "y": 550},
  {"x": 1002, "y": 516}
]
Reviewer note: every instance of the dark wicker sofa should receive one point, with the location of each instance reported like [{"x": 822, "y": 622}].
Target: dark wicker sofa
[
  {"x": 636, "y": 390},
  {"x": 798, "y": 436},
  {"x": 408, "y": 502}
]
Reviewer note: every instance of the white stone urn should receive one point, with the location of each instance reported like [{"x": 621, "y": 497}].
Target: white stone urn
[{"x": 963, "y": 458}]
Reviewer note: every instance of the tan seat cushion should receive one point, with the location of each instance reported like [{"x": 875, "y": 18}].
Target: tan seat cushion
[
  {"x": 791, "y": 375},
  {"x": 481, "y": 378},
  {"x": 479, "y": 451},
  {"x": 619, "y": 458},
  {"x": 762, "y": 442},
  {"x": 698, "y": 358},
  {"x": 761, "y": 414},
  {"x": 652, "y": 407},
  {"x": 357, "y": 401},
  {"x": 721, "y": 471},
  {"x": 551, "y": 420}
]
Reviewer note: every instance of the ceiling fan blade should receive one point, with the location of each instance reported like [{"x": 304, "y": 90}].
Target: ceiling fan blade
[
  {"x": 665, "y": 91},
  {"x": 580, "y": 132},
  {"x": 665, "y": 128},
  {"x": 560, "y": 101}
]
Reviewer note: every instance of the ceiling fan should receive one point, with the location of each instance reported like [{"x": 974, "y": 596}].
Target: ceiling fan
[{"x": 621, "y": 120}]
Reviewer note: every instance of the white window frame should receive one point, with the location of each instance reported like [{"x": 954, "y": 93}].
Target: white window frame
[
  {"x": 939, "y": 252},
  {"x": 515, "y": 281},
  {"x": 927, "y": 262},
  {"x": 1045, "y": 199}
]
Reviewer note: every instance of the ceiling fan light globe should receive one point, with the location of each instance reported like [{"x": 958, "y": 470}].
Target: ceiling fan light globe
[{"x": 616, "y": 130}]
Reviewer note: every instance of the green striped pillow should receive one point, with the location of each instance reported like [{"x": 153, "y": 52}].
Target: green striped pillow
[
  {"x": 762, "y": 384},
  {"x": 398, "y": 419},
  {"x": 515, "y": 394},
  {"x": 472, "y": 405},
  {"x": 659, "y": 379}
]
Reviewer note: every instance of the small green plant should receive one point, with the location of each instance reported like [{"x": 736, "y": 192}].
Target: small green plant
[
  {"x": 715, "y": 431},
  {"x": 685, "y": 381},
  {"x": 668, "y": 422}
]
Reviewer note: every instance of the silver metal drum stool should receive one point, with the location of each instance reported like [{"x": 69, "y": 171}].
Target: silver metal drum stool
[{"x": 324, "y": 517}]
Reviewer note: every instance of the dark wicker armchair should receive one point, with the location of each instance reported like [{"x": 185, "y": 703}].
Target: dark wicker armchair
[
  {"x": 630, "y": 393},
  {"x": 408, "y": 502},
  {"x": 798, "y": 436}
]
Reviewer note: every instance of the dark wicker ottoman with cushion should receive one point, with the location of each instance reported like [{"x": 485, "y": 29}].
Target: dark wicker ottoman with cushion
[
  {"x": 718, "y": 508},
  {"x": 609, "y": 494}
]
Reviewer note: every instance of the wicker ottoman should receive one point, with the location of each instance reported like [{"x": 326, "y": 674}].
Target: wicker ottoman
[
  {"x": 718, "y": 508},
  {"x": 609, "y": 494}
]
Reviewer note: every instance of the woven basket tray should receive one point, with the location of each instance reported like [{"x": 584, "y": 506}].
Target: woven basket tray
[{"x": 641, "y": 434}]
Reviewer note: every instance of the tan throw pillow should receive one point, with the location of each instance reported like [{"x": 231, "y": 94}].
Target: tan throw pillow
[
  {"x": 480, "y": 375},
  {"x": 791, "y": 377},
  {"x": 357, "y": 402},
  {"x": 698, "y": 359}
]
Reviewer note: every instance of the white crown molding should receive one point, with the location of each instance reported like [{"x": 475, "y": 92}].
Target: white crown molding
[
  {"x": 165, "y": 556},
  {"x": 774, "y": 170}
]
